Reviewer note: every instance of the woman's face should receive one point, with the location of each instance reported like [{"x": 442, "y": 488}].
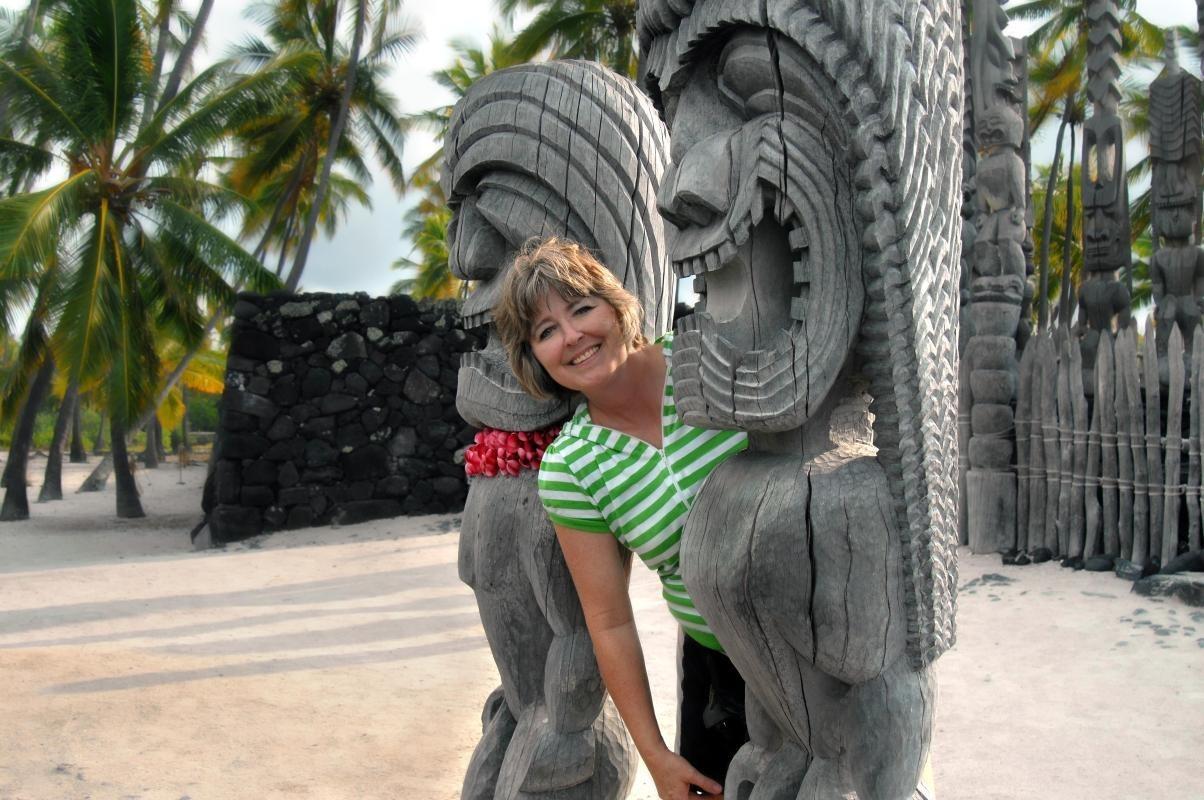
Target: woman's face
[{"x": 578, "y": 341}]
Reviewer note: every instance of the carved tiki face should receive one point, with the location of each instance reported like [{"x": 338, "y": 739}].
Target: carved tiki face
[
  {"x": 760, "y": 196},
  {"x": 1000, "y": 127},
  {"x": 563, "y": 148},
  {"x": 1105, "y": 201}
]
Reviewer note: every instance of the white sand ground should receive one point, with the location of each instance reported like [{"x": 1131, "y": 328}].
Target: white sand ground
[{"x": 350, "y": 663}]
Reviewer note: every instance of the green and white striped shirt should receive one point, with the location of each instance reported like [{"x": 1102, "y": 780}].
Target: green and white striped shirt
[{"x": 598, "y": 480}]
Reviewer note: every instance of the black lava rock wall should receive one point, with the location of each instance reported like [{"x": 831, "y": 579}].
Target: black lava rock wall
[{"x": 337, "y": 408}]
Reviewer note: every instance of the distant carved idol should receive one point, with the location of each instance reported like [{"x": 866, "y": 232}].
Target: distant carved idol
[
  {"x": 1103, "y": 300},
  {"x": 1177, "y": 267},
  {"x": 999, "y": 285},
  {"x": 572, "y": 149},
  {"x": 813, "y": 194}
]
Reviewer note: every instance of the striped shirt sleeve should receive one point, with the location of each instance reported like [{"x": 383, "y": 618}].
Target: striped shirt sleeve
[{"x": 566, "y": 503}]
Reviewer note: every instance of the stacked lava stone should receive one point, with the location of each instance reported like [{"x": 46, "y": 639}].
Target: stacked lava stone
[{"x": 337, "y": 408}]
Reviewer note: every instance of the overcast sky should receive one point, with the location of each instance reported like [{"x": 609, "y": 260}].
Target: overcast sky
[{"x": 360, "y": 255}]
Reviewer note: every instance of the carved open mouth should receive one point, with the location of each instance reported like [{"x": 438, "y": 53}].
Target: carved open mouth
[{"x": 699, "y": 251}]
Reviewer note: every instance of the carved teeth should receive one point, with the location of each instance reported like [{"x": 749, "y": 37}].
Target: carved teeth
[
  {"x": 712, "y": 260},
  {"x": 476, "y": 320},
  {"x": 798, "y": 238},
  {"x": 798, "y": 309},
  {"x": 801, "y": 273},
  {"x": 727, "y": 251}
]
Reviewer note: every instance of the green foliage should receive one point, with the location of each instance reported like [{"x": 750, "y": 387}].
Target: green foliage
[
  {"x": 428, "y": 272},
  {"x": 126, "y": 245},
  {"x": 426, "y": 269},
  {"x": 1057, "y": 63},
  {"x": 202, "y": 411},
  {"x": 280, "y": 152},
  {"x": 596, "y": 30}
]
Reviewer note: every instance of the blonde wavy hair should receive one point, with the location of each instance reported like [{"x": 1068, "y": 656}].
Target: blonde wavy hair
[{"x": 545, "y": 265}]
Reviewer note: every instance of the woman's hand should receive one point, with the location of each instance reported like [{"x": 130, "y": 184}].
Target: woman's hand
[{"x": 673, "y": 776}]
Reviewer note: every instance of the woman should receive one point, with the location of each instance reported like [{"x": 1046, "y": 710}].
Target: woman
[{"x": 624, "y": 467}]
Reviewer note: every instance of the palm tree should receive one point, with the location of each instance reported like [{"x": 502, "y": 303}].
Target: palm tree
[
  {"x": 425, "y": 223},
  {"x": 1057, "y": 51},
  {"x": 596, "y": 30},
  {"x": 126, "y": 241},
  {"x": 337, "y": 111},
  {"x": 428, "y": 272}
]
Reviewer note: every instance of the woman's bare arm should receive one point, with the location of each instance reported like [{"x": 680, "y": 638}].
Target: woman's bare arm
[{"x": 600, "y": 572}]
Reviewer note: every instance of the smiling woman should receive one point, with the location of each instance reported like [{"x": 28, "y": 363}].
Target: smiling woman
[{"x": 626, "y": 467}]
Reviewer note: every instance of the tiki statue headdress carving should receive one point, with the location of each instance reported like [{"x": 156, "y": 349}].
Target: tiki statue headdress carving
[
  {"x": 571, "y": 149},
  {"x": 841, "y": 127}
]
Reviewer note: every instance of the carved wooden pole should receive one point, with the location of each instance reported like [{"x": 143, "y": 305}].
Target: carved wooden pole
[
  {"x": 998, "y": 286},
  {"x": 1177, "y": 266},
  {"x": 1153, "y": 444},
  {"x": 968, "y": 234},
  {"x": 786, "y": 211},
  {"x": 1193, "y": 443},
  {"x": 1173, "y": 492},
  {"x": 1103, "y": 300},
  {"x": 573, "y": 149}
]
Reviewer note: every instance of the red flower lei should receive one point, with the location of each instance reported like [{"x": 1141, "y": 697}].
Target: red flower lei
[{"x": 495, "y": 452}]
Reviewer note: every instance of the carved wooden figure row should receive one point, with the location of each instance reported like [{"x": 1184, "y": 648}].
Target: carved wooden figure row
[{"x": 1114, "y": 488}]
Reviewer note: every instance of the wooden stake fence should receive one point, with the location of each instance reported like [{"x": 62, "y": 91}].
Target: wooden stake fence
[{"x": 1108, "y": 477}]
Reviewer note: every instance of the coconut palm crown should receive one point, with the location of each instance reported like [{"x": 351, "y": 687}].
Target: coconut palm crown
[{"x": 123, "y": 241}]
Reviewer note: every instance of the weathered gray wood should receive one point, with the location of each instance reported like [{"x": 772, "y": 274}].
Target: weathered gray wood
[
  {"x": 1091, "y": 501},
  {"x": 964, "y": 401},
  {"x": 1128, "y": 372},
  {"x": 1107, "y": 359},
  {"x": 1078, "y": 401},
  {"x": 1176, "y": 267},
  {"x": 1024, "y": 411},
  {"x": 1049, "y": 425},
  {"x": 1193, "y": 496},
  {"x": 1112, "y": 394},
  {"x": 1066, "y": 426},
  {"x": 1153, "y": 441},
  {"x": 1104, "y": 301},
  {"x": 828, "y": 571},
  {"x": 997, "y": 286},
  {"x": 1173, "y": 491},
  {"x": 1037, "y": 477},
  {"x": 571, "y": 149}
]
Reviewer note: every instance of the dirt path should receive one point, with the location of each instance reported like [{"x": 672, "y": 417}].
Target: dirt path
[{"x": 350, "y": 663}]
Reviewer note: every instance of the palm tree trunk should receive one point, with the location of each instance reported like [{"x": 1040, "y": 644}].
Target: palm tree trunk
[
  {"x": 98, "y": 444},
  {"x": 162, "y": 37},
  {"x": 185, "y": 427},
  {"x": 52, "y": 480},
  {"x": 79, "y": 454},
  {"x": 288, "y": 232},
  {"x": 332, "y": 146},
  {"x": 293, "y": 188},
  {"x": 150, "y": 453},
  {"x": 128, "y": 503},
  {"x": 1047, "y": 222},
  {"x": 185, "y": 58},
  {"x": 16, "y": 497},
  {"x": 1064, "y": 308}
]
